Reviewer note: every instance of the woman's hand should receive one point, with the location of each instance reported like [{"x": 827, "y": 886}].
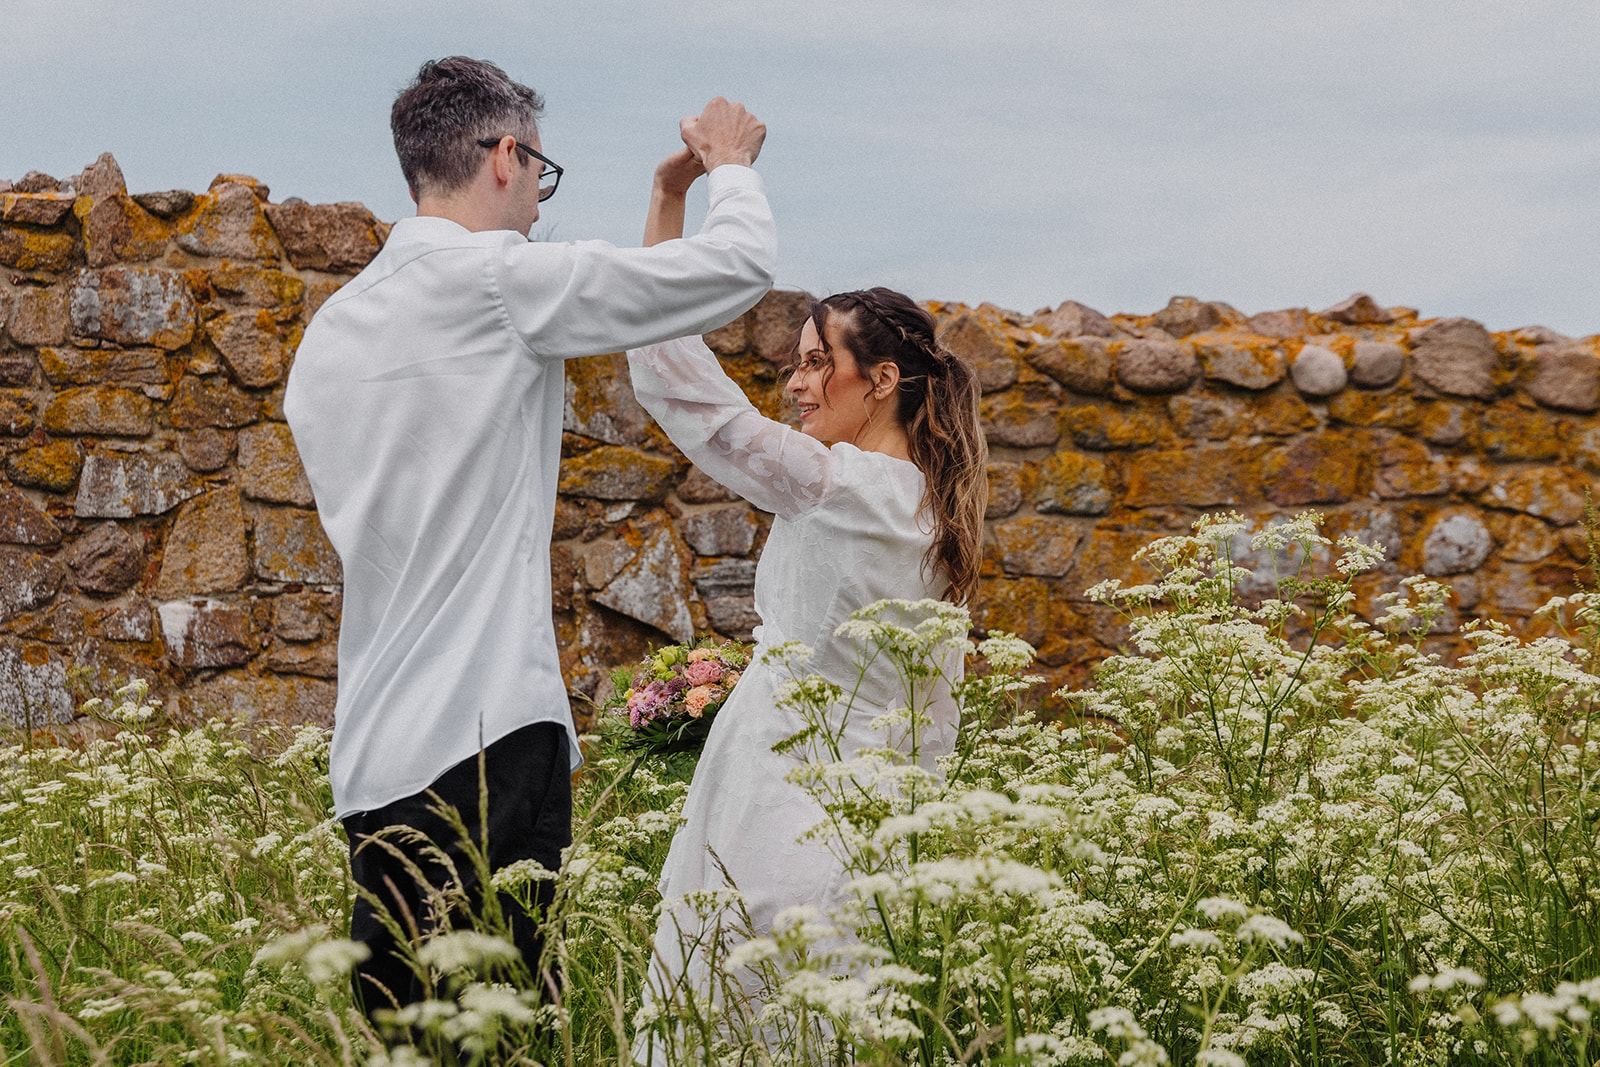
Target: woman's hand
[
  {"x": 674, "y": 175},
  {"x": 677, "y": 172}
]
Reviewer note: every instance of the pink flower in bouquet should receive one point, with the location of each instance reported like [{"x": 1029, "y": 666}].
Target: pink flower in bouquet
[
  {"x": 696, "y": 699},
  {"x": 703, "y": 672}
]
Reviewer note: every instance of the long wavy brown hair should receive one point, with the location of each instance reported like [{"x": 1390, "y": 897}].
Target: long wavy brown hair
[{"x": 936, "y": 404}]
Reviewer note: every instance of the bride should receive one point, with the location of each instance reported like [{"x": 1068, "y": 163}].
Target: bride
[{"x": 879, "y": 495}]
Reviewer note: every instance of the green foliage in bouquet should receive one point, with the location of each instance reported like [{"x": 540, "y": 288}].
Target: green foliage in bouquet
[{"x": 665, "y": 704}]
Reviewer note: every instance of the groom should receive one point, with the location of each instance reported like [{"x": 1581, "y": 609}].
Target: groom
[{"x": 426, "y": 401}]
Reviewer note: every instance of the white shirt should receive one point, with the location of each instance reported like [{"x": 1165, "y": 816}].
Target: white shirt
[{"x": 426, "y": 403}]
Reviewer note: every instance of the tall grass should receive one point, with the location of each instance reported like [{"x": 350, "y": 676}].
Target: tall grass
[{"x": 1272, "y": 832}]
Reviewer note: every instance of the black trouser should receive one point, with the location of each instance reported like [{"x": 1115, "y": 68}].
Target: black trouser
[{"x": 530, "y": 817}]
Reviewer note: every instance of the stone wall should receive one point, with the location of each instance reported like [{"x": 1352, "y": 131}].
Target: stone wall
[{"x": 154, "y": 520}]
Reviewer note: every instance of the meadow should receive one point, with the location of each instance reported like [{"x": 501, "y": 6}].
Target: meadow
[{"x": 1271, "y": 832}]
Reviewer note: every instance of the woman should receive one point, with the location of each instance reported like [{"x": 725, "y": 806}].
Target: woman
[{"x": 879, "y": 495}]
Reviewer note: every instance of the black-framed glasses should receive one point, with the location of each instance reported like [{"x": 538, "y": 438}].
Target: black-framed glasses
[{"x": 545, "y": 191}]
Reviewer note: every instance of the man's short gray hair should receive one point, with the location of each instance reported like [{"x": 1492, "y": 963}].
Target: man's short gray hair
[{"x": 439, "y": 118}]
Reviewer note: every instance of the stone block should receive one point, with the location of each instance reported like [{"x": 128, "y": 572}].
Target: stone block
[
  {"x": 1017, "y": 420},
  {"x": 35, "y": 209},
  {"x": 53, "y": 466},
  {"x": 1321, "y": 469},
  {"x": 133, "y": 306},
  {"x": 25, "y": 248},
  {"x": 166, "y": 204},
  {"x": 1318, "y": 371},
  {"x": 1195, "y": 477},
  {"x": 776, "y": 324},
  {"x": 1394, "y": 411},
  {"x": 207, "y": 633},
  {"x": 243, "y": 694},
  {"x": 101, "y": 178},
  {"x": 1359, "y": 309},
  {"x": 100, "y": 409},
  {"x": 1456, "y": 542},
  {"x": 1071, "y": 483},
  {"x": 341, "y": 238},
  {"x": 269, "y": 465},
  {"x": 1005, "y": 490},
  {"x": 1072, "y": 319},
  {"x": 725, "y": 578},
  {"x": 1185, "y": 315},
  {"x": 653, "y": 588},
  {"x": 734, "y": 617},
  {"x": 599, "y": 401},
  {"x": 227, "y": 223},
  {"x": 92, "y": 366},
  {"x": 290, "y": 546},
  {"x": 1103, "y": 428},
  {"x": 1377, "y": 364},
  {"x": 18, "y": 416},
  {"x": 33, "y": 684},
  {"x": 723, "y": 532},
  {"x": 1208, "y": 417},
  {"x": 106, "y": 560},
  {"x": 201, "y": 402},
  {"x": 41, "y": 316},
  {"x": 119, "y": 485},
  {"x": 1457, "y": 357},
  {"x": 15, "y": 369},
  {"x": 1155, "y": 366},
  {"x": 23, "y": 523},
  {"x": 985, "y": 347},
  {"x": 611, "y": 472},
  {"x": 1282, "y": 414},
  {"x": 1279, "y": 324},
  {"x": 1525, "y": 539},
  {"x": 319, "y": 660},
  {"x": 1446, "y": 423},
  {"x": 206, "y": 550},
  {"x": 1082, "y": 363},
  {"x": 205, "y": 450},
  {"x": 252, "y": 345},
  {"x": 1038, "y": 546},
  {"x": 1512, "y": 433},
  {"x": 732, "y": 339},
  {"x": 698, "y": 487},
  {"x": 1566, "y": 378},
  {"x": 133, "y": 621},
  {"x": 1021, "y": 606},
  {"x": 1550, "y": 493},
  {"x": 257, "y": 287},
  {"x": 27, "y": 581},
  {"x": 1238, "y": 362},
  {"x": 117, "y": 230}
]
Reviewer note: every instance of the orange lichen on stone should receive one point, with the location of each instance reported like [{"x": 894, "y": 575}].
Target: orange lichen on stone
[
  {"x": 30, "y": 249},
  {"x": 53, "y": 466},
  {"x": 1207, "y": 476}
]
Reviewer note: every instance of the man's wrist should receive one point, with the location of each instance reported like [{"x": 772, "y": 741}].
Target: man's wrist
[{"x": 736, "y": 159}]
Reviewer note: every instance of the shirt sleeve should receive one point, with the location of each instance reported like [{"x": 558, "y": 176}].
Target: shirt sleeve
[
  {"x": 590, "y": 297},
  {"x": 705, "y": 413}
]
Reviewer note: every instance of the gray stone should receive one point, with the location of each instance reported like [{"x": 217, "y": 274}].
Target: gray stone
[
  {"x": 732, "y": 339},
  {"x": 127, "y": 622},
  {"x": 106, "y": 560},
  {"x": 27, "y": 581},
  {"x": 36, "y": 181},
  {"x": 105, "y": 410},
  {"x": 1005, "y": 490},
  {"x": 698, "y": 487},
  {"x": 1458, "y": 542},
  {"x": 119, "y": 485},
  {"x": 725, "y": 578},
  {"x": 1318, "y": 371},
  {"x": 1359, "y": 309},
  {"x": 1265, "y": 565},
  {"x": 1241, "y": 364},
  {"x": 1377, "y": 364},
  {"x": 228, "y": 223},
  {"x": 165, "y": 204},
  {"x": 101, "y": 178},
  {"x": 341, "y": 238},
  {"x": 290, "y": 546},
  {"x": 1527, "y": 540},
  {"x": 733, "y": 616},
  {"x": 33, "y": 685},
  {"x": 1207, "y": 417},
  {"x": 1379, "y": 527},
  {"x": 1082, "y": 363},
  {"x": 1566, "y": 378},
  {"x": 1155, "y": 366},
  {"x": 600, "y": 403},
  {"x": 199, "y": 403},
  {"x": 1184, "y": 315},
  {"x": 41, "y": 316},
  {"x": 604, "y": 559},
  {"x": 1457, "y": 357},
  {"x": 133, "y": 306},
  {"x": 778, "y": 318},
  {"x": 653, "y": 588},
  {"x": 207, "y": 633},
  {"x": 723, "y": 532},
  {"x": 252, "y": 347},
  {"x": 23, "y": 523},
  {"x": 1072, "y": 319},
  {"x": 206, "y": 449},
  {"x": 206, "y": 551},
  {"x": 1281, "y": 324},
  {"x": 91, "y": 366}
]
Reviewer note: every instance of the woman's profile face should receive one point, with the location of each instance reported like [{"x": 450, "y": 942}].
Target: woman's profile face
[{"x": 836, "y": 411}]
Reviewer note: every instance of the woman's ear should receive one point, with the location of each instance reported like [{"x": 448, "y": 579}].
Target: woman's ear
[{"x": 885, "y": 378}]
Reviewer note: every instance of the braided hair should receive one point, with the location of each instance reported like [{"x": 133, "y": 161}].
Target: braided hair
[{"x": 937, "y": 405}]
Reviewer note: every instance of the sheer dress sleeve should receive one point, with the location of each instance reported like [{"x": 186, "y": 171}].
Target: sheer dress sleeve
[{"x": 705, "y": 413}]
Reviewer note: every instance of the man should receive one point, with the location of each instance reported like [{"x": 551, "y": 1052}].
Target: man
[{"x": 426, "y": 402}]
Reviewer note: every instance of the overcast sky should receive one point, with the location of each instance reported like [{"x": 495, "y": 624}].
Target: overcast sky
[{"x": 1441, "y": 154}]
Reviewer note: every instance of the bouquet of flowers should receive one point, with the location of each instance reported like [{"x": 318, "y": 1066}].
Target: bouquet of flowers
[{"x": 666, "y": 703}]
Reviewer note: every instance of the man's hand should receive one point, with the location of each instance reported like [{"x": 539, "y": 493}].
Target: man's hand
[
  {"x": 677, "y": 172},
  {"x": 724, "y": 133}
]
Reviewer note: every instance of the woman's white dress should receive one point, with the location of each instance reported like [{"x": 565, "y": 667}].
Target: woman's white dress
[{"x": 846, "y": 533}]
